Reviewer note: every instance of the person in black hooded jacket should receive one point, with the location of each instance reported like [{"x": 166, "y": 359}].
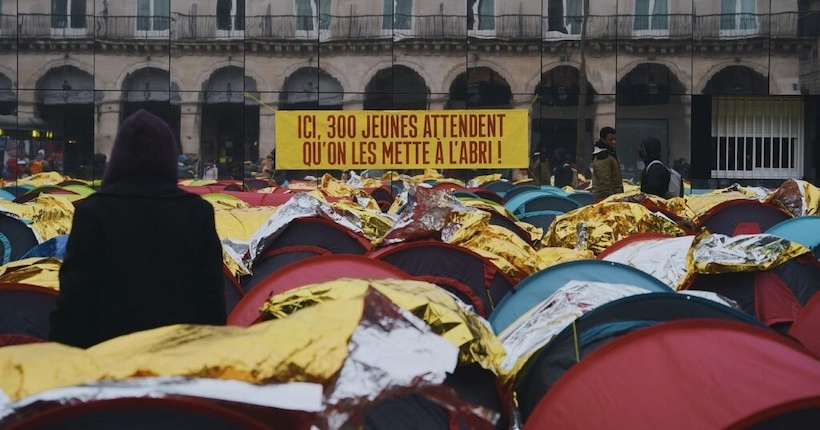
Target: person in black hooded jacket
[
  {"x": 655, "y": 176},
  {"x": 142, "y": 252}
]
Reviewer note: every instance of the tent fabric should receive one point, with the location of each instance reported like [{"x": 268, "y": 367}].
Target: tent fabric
[
  {"x": 804, "y": 230},
  {"x": 767, "y": 295},
  {"x": 583, "y": 198},
  {"x": 545, "y": 202},
  {"x": 140, "y": 413},
  {"x": 54, "y": 247},
  {"x": 722, "y": 363},
  {"x": 273, "y": 260},
  {"x": 16, "y": 238},
  {"x": 539, "y": 286},
  {"x": 26, "y": 309},
  {"x": 320, "y": 232},
  {"x": 305, "y": 272},
  {"x": 604, "y": 324},
  {"x": 433, "y": 258},
  {"x": 231, "y": 288},
  {"x": 806, "y": 327},
  {"x": 727, "y": 217}
]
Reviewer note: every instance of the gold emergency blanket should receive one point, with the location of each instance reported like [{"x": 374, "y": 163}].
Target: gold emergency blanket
[
  {"x": 505, "y": 249},
  {"x": 239, "y": 224},
  {"x": 663, "y": 258},
  {"x": 717, "y": 253},
  {"x": 336, "y": 188},
  {"x": 43, "y": 272},
  {"x": 798, "y": 197},
  {"x": 373, "y": 223},
  {"x": 699, "y": 204},
  {"x": 445, "y": 315},
  {"x": 483, "y": 179},
  {"x": 40, "y": 179},
  {"x": 49, "y": 215},
  {"x": 603, "y": 224},
  {"x": 556, "y": 255},
  {"x": 308, "y": 346},
  {"x": 225, "y": 201}
]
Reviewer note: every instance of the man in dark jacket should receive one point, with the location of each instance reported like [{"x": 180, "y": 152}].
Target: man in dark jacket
[
  {"x": 655, "y": 176},
  {"x": 142, "y": 253},
  {"x": 565, "y": 173},
  {"x": 606, "y": 169}
]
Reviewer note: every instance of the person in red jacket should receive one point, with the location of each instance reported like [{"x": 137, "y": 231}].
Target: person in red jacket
[{"x": 142, "y": 252}]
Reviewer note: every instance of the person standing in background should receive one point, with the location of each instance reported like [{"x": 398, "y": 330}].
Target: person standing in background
[
  {"x": 211, "y": 171},
  {"x": 606, "y": 169},
  {"x": 540, "y": 168},
  {"x": 142, "y": 252},
  {"x": 655, "y": 176}
]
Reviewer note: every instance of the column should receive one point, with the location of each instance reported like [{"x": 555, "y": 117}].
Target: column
[
  {"x": 26, "y": 104},
  {"x": 189, "y": 129},
  {"x": 107, "y": 114},
  {"x": 267, "y": 131}
]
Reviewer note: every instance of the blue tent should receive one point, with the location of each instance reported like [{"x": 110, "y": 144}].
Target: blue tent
[
  {"x": 54, "y": 247},
  {"x": 539, "y": 286},
  {"x": 804, "y": 230},
  {"x": 515, "y": 202}
]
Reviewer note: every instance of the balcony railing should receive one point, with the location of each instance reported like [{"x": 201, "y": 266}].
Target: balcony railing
[{"x": 444, "y": 27}]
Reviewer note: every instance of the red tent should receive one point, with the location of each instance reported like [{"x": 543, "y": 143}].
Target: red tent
[
  {"x": 471, "y": 277},
  {"x": 693, "y": 374},
  {"x": 309, "y": 271},
  {"x": 806, "y": 327},
  {"x": 741, "y": 216},
  {"x": 157, "y": 413}
]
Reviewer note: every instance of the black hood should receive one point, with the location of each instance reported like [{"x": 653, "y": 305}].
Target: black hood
[{"x": 651, "y": 149}]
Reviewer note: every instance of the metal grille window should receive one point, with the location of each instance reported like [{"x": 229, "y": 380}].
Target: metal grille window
[{"x": 757, "y": 137}]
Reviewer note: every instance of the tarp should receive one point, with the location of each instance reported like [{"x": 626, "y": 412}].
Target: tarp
[
  {"x": 664, "y": 377},
  {"x": 16, "y": 238},
  {"x": 603, "y": 324},
  {"x": 543, "y": 284},
  {"x": 304, "y": 272}
]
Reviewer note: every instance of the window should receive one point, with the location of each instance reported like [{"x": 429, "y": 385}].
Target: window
[
  {"x": 757, "y": 137},
  {"x": 738, "y": 17},
  {"x": 68, "y": 17},
  {"x": 564, "y": 18},
  {"x": 230, "y": 18},
  {"x": 652, "y": 17},
  {"x": 398, "y": 16},
  {"x": 153, "y": 18},
  {"x": 481, "y": 17},
  {"x": 313, "y": 18}
]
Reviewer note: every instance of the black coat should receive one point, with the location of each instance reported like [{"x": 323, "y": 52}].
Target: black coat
[
  {"x": 655, "y": 179},
  {"x": 142, "y": 254}
]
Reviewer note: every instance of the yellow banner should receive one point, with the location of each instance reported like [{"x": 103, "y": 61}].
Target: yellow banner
[{"x": 447, "y": 139}]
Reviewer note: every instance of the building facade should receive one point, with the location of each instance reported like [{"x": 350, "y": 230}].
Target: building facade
[{"x": 719, "y": 82}]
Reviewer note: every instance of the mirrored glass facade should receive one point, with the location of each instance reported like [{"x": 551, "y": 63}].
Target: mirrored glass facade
[{"x": 729, "y": 86}]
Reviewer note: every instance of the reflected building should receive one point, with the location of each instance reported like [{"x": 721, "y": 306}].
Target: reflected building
[{"x": 725, "y": 85}]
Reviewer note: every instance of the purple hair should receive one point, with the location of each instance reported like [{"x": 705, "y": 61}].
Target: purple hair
[{"x": 145, "y": 146}]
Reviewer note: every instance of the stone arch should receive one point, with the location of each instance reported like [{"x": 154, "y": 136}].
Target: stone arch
[
  {"x": 381, "y": 65},
  {"x": 479, "y": 86},
  {"x": 47, "y": 68},
  {"x": 670, "y": 65},
  {"x": 717, "y": 67},
  {"x": 737, "y": 79},
  {"x": 249, "y": 72},
  {"x": 149, "y": 84},
  {"x": 306, "y": 86},
  {"x": 559, "y": 86},
  {"x": 227, "y": 85},
  {"x": 327, "y": 67},
  {"x": 648, "y": 84},
  {"x": 461, "y": 68},
  {"x": 380, "y": 94},
  {"x": 65, "y": 85}
]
